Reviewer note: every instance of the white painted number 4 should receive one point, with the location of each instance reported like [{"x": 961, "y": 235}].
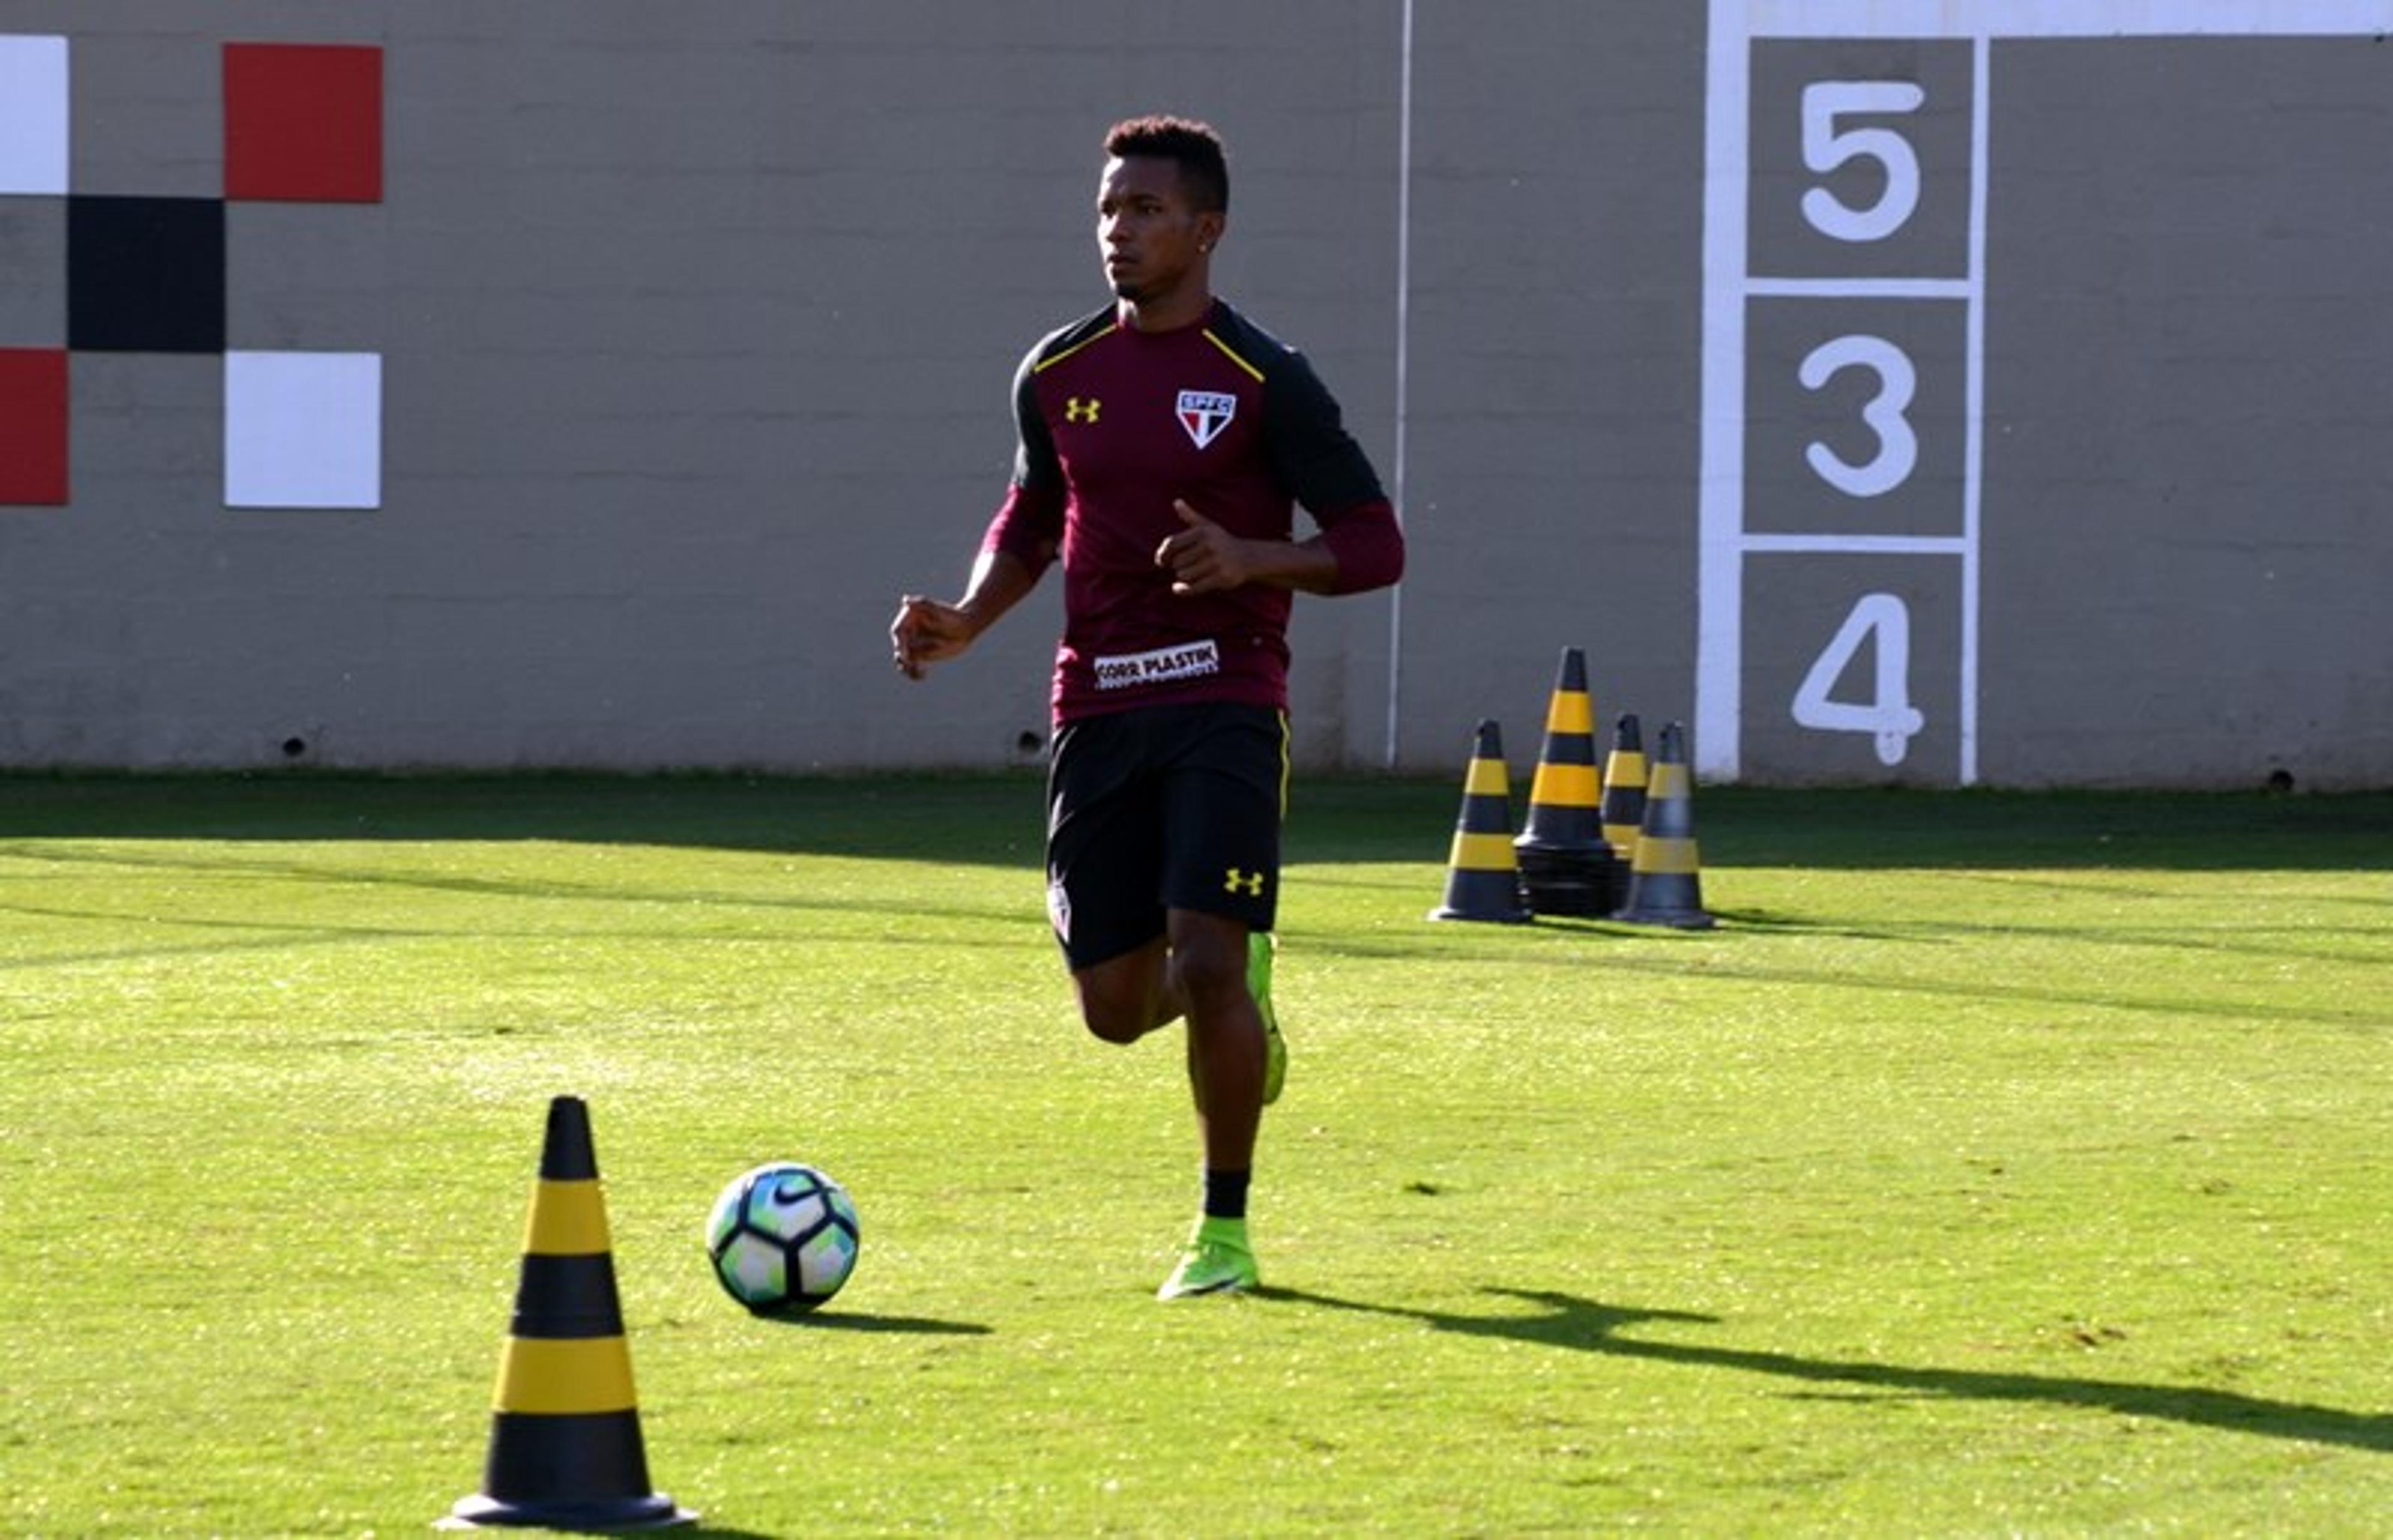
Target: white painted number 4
[{"x": 1887, "y": 715}]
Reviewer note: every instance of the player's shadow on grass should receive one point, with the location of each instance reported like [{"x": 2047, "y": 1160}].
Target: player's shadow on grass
[{"x": 1565, "y": 1321}]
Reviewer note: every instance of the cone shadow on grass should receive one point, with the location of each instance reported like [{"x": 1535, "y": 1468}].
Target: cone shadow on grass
[{"x": 1558, "y": 1319}]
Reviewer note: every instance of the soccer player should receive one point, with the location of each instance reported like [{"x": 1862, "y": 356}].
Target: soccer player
[{"x": 1163, "y": 443}]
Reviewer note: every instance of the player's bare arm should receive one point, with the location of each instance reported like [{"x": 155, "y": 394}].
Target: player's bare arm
[
  {"x": 931, "y": 631},
  {"x": 1206, "y": 559}
]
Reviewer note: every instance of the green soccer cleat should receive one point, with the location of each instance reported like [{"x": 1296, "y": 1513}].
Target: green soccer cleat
[
  {"x": 1262, "y": 947},
  {"x": 1218, "y": 1260}
]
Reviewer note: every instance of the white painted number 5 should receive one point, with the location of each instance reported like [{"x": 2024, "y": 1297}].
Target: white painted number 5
[
  {"x": 1826, "y": 148},
  {"x": 1897, "y": 446},
  {"x": 1887, "y": 715}
]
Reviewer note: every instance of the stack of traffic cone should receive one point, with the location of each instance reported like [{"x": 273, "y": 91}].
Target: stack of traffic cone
[
  {"x": 1482, "y": 882},
  {"x": 565, "y": 1449},
  {"x": 1665, "y": 885},
  {"x": 1623, "y": 794},
  {"x": 1567, "y": 866}
]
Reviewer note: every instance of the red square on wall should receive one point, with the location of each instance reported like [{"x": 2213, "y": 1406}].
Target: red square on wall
[
  {"x": 32, "y": 425},
  {"x": 303, "y": 122}
]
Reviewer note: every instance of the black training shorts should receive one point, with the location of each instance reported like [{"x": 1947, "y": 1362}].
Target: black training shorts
[{"x": 1162, "y": 807}]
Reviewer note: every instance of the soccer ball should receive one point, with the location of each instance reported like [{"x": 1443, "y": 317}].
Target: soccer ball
[{"x": 782, "y": 1238}]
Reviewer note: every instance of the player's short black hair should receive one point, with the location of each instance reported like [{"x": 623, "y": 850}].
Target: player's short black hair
[{"x": 1192, "y": 146}]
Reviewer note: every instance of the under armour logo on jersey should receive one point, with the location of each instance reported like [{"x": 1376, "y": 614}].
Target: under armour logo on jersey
[
  {"x": 1205, "y": 413},
  {"x": 1249, "y": 883},
  {"x": 1079, "y": 410}
]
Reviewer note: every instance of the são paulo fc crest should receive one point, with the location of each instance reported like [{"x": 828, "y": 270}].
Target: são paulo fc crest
[{"x": 1205, "y": 413}]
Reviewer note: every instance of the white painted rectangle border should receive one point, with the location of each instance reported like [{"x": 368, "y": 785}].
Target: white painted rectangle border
[
  {"x": 2057, "y": 18},
  {"x": 1721, "y": 541},
  {"x": 1859, "y": 545},
  {"x": 1719, "y": 480},
  {"x": 1860, "y": 288}
]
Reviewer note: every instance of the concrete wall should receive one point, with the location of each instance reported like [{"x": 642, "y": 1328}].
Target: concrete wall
[{"x": 696, "y": 324}]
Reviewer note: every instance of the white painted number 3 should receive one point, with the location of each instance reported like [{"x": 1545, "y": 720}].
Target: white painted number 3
[
  {"x": 1887, "y": 715},
  {"x": 1897, "y": 446}
]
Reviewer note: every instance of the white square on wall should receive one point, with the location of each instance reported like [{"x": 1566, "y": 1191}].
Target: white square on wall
[
  {"x": 34, "y": 115},
  {"x": 303, "y": 430}
]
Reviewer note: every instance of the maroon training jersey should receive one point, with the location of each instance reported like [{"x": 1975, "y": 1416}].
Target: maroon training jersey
[{"x": 1113, "y": 424}]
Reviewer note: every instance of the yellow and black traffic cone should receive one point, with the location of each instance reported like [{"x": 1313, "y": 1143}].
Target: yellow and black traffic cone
[
  {"x": 565, "y": 1448},
  {"x": 1624, "y": 787},
  {"x": 1666, "y": 884},
  {"x": 1482, "y": 882},
  {"x": 1566, "y": 864}
]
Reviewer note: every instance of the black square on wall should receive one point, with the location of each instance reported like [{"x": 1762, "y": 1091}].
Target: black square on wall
[{"x": 146, "y": 275}]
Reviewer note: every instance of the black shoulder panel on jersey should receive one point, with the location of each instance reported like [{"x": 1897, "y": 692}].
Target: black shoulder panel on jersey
[
  {"x": 1304, "y": 434},
  {"x": 1034, "y": 454},
  {"x": 1063, "y": 340}
]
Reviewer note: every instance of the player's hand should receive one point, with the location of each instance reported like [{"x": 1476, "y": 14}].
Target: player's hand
[
  {"x": 927, "y": 632},
  {"x": 1203, "y": 558}
]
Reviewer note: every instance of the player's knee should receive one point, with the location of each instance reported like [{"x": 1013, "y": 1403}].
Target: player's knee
[
  {"x": 1116, "y": 1010},
  {"x": 1209, "y": 971},
  {"x": 1110, "y": 1022}
]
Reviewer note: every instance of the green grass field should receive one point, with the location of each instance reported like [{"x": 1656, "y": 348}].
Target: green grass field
[{"x": 2002, "y": 1165}]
